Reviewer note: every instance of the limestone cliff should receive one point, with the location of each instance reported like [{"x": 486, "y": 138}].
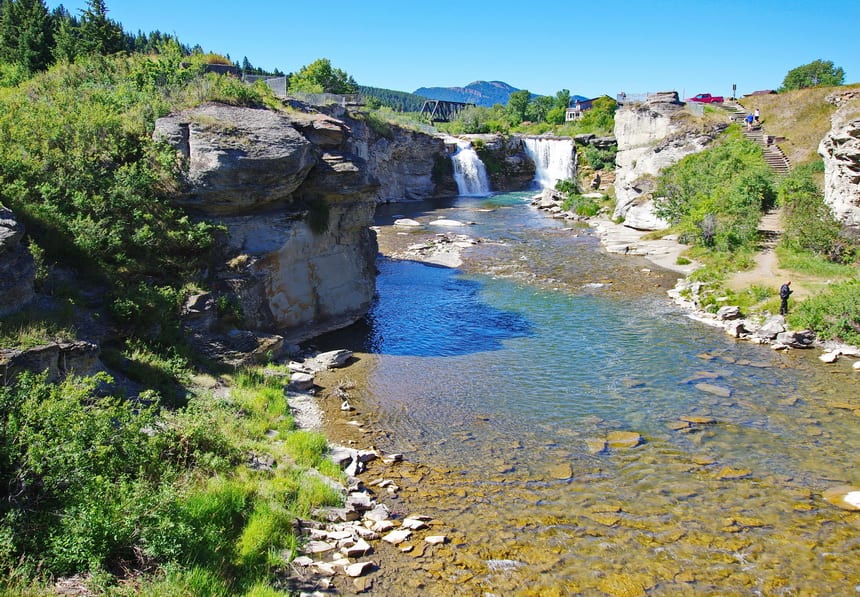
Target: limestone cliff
[
  {"x": 508, "y": 166},
  {"x": 651, "y": 135},
  {"x": 408, "y": 164},
  {"x": 17, "y": 268},
  {"x": 840, "y": 149},
  {"x": 296, "y": 206}
]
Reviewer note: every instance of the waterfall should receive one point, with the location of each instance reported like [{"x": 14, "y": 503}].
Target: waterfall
[
  {"x": 554, "y": 159},
  {"x": 469, "y": 171}
]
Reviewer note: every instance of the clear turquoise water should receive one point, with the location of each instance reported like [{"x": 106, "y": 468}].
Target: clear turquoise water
[{"x": 500, "y": 373}]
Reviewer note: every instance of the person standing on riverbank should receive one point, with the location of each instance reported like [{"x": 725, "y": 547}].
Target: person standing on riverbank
[{"x": 784, "y": 292}]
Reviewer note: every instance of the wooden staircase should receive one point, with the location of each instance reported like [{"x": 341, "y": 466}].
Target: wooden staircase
[{"x": 773, "y": 155}]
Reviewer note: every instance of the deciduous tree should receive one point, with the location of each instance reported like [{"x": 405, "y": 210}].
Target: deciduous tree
[
  {"x": 818, "y": 72},
  {"x": 321, "y": 77}
]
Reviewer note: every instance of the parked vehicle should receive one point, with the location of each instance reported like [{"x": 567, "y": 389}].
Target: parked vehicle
[{"x": 707, "y": 98}]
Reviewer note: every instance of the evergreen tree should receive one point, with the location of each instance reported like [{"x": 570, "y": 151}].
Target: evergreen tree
[
  {"x": 66, "y": 35},
  {"x": 25, "y": 34},
  {"x": 99, "y": 34}
]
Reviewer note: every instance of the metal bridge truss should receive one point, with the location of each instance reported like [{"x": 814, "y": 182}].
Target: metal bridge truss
[{"x": 442, "y": 111}]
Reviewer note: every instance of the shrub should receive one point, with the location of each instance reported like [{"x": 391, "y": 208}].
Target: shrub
[
  {"x": 832, "y": 315},
  {"x": 599, "y": 159},
  {"x": 714, "y": 198},
  {"x": 809, "y": 222}
]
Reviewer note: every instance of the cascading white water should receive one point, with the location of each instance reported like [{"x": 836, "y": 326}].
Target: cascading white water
[
  {"x": 469, "y": 171},
  {"x": 554, "y": 159}
]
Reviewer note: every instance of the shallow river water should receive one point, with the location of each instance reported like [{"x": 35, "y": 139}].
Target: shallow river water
[{"x": 504, "y": 383}]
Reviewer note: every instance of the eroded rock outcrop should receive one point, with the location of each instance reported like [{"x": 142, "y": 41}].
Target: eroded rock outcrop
[
  {"x": 508, "y": 165},
  {"x": 840, "y": 149},
  {"x": 409, "y": 165},
  {"x": 297, "y": 206},
  {"x": 17, "y": 268},
  {"x": 651, "y": 136},
  {"x": 55, "y": 360}
]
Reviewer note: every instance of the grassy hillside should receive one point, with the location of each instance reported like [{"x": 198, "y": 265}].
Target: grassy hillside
[{"x": 802, "y": 117}]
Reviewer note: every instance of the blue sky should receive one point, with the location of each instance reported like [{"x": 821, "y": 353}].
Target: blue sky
[{"x": 587, "y": 47}]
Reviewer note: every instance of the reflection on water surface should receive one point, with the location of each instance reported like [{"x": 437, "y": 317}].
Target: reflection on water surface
[{"x": 502, "y": 381}]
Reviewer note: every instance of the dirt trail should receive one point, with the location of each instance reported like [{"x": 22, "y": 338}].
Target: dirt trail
[{"x": 766, "y": 271}]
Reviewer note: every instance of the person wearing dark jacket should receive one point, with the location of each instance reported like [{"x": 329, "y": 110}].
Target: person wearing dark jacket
[{"x": 784, "y": 292}]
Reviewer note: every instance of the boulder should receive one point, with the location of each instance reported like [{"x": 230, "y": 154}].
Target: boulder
[
  {"x": 56, "y": 360},
  {"x": 728, "y": 312},
  {"x": 332, "y": 359},
  {"x": 798, "y": 339},
  {"x": 771, "y": 328},
  {"x": 237, "y": 159}
]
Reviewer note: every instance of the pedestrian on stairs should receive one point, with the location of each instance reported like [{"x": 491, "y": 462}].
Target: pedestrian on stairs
[
  {"x": 756, "y": 115},
  {"x": 749, "y": 120}
]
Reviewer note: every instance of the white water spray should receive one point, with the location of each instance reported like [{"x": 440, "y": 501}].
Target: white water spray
[
  {"x": 554, "y": 159},
  {"x": 469, "y": 171}
]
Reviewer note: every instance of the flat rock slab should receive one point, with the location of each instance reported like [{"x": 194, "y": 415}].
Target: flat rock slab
[
  {"x": 713, "y": 389},
  {"x": 596, "y": 446},
  {"x": 698, "y": 420},
  {"x": 623, "y": 439},
  {"x": 846, "y": 497},
  {"x": 561, "y": 471},
  {"x": 398, "y": 536},
  {"x": 731, "y": 474}
]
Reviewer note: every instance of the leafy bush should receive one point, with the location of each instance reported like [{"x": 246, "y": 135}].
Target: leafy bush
[
  {"x": 832, "y": 315},
  {"x": 82, "y": 472},
  {"x": 599, "y": 159},
  {"x": 809, "y": 222},
  {"x": 78, "y": 164},
  {"x": 714, "y": 198}
]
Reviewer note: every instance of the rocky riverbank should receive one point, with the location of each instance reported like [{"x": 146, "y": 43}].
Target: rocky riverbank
[
  {"x": 664, "y": 252},
  {"x": 347, "y": 549}
]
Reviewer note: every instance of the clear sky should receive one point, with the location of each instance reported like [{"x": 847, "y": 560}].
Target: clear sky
[{"x": 588, "y": 47}]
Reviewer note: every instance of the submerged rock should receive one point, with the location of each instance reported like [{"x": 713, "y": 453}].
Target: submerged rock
[
  {"x": 846, "y": 497},
  {"x": 623, "y": 439}
]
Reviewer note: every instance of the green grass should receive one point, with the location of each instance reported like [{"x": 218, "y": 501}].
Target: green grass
[
  {"x": 833, "y": 314},
  {"x": 813, "y": 265},
  {"x": 184, "y": 498}
]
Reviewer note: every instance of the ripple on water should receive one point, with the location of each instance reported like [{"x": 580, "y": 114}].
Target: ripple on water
[{"x": 500, "y": 382}]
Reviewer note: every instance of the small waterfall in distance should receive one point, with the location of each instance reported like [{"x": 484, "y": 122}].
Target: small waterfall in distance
[
  {"x": 554, "y": 159},
  {"x": 469, "y": 171}
]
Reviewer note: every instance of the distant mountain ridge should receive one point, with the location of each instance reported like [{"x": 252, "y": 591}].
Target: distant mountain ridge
[{"x": 481, "y": 93}]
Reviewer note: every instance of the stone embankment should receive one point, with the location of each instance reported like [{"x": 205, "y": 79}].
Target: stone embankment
[
  {"x": 345, "y": 546},
  {"x": 664, "y": 252}
]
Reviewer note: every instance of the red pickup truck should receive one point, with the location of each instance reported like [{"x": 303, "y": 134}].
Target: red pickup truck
[{"x": 707, "y": 98}]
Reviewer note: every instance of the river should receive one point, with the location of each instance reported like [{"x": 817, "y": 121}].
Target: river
[{"x": 502, "y": 380}]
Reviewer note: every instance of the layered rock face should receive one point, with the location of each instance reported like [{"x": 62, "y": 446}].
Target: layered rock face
[
  {"x": 840, "y": 149},
  {"x": 409, "y": 165},
  {"x": 297, "y": 207},
  {"x": 17, "y": 268},
  {"x": 508, "y": 165},
  {"x": 651, "y": 136}
]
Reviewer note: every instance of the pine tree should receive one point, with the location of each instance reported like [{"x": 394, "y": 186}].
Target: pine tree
[
  {"x": 25, "y": 34},
  {"x": 99, "y": 34}
]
